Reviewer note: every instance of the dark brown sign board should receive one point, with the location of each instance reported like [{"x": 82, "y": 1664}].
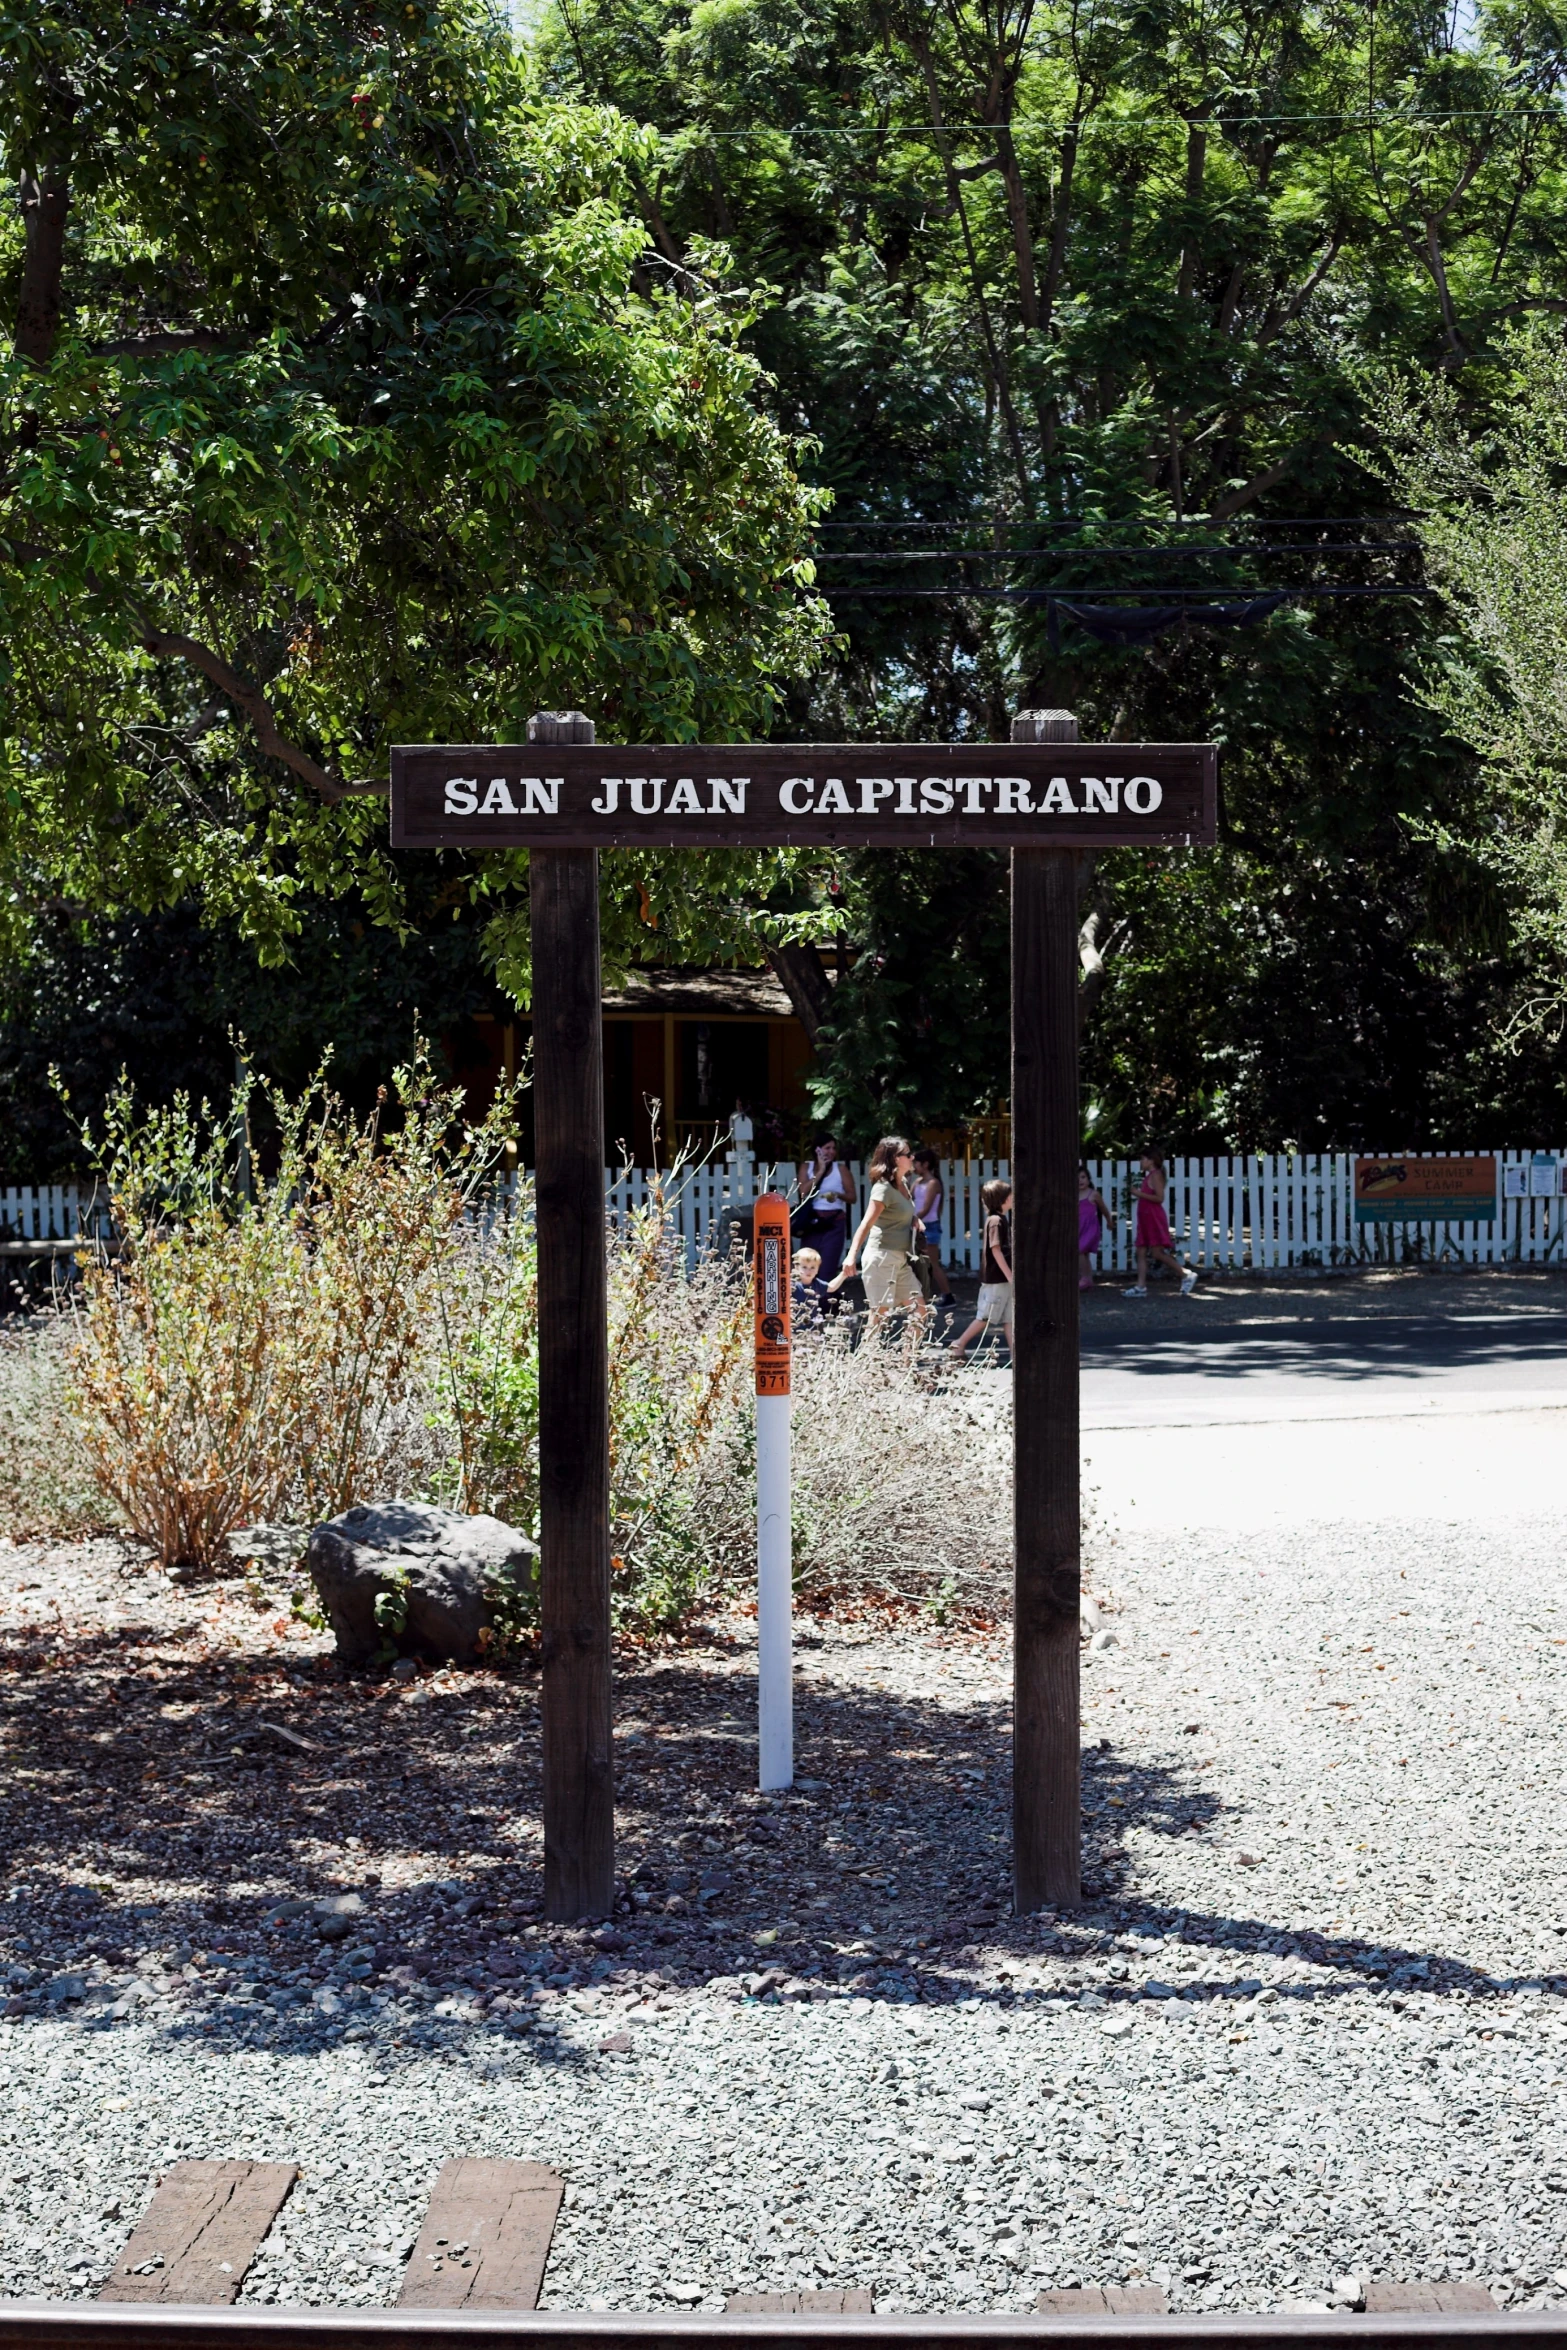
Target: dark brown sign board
[{"x": 828, "y": 795}]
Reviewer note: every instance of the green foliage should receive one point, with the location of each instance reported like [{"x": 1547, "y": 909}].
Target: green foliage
[
  {"x": 162, "y": 998},
  {"x": 1492, "y": 516},
  {"x": 345, "y": 411},
  {"x": 383, "y": 384},
  {"x": 1086, "y": 279},
  {"x": 920, "y": 1022}
]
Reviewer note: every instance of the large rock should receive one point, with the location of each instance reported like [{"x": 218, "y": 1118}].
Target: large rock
[{"x": 444, "y": 1581}]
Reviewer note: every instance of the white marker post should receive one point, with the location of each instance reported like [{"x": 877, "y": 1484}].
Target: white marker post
[{"x": 774, "y": 1545}]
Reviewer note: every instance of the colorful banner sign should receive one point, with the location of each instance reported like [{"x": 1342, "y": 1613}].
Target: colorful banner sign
[{"x": 1425, "y": 1191}]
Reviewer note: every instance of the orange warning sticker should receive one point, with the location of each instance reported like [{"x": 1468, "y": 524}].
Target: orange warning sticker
[{"x": 772, "y": 1277}]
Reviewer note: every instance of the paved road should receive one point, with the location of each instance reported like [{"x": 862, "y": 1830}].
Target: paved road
[
  {"x": 1199, "y": 1364},
  {"x": 1400, "y": 1397}
]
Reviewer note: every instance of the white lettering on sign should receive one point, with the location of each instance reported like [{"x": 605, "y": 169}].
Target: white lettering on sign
[{"x": 1006, "y": 797}]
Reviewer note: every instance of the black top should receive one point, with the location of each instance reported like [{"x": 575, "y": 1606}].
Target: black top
[{"x": 989, "y": 1270}]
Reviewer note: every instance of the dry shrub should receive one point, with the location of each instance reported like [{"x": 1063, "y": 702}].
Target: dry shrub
[
  {"x": 46, "y": 1484},
  {"x": 902, "y": 1485},
  {"x": 364, "y": 1325},
  {"x": 252, "y": 1353},
  {"x": 902, "y": 1473}
]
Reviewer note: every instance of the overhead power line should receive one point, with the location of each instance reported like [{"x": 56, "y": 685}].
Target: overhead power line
[
  {"x": 1373, "y": 119},
  {"x": 1029, "y": 554},
  {"x": 1174, "y": 522},
  {"x": 1076, "y": 592}
]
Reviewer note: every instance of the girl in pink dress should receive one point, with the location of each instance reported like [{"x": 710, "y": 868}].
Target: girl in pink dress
[{"x": 1153, "y": 1237}]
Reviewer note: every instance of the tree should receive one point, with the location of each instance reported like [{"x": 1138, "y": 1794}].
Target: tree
[
  {"x": 1491, "y": 507},
  {"x": 344, "y": 409},
  {"x": 1077, "y": 304}
]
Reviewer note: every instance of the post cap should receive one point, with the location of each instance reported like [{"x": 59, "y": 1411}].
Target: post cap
[
  {"x": 1045, "y": 726},
  {"x": 560, "y": 726}
]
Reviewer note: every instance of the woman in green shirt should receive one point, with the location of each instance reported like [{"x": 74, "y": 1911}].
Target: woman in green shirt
[{"x": 885, "y": 1243}]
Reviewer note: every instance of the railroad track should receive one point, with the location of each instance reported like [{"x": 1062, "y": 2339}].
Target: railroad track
[{"x": 477, "y": 2270}]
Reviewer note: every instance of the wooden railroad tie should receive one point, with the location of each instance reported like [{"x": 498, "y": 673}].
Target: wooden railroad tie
[
  {"x": 201, "y": 2231},
  {"x": 838, "y": 2301},
  {"x": 1383, "y": 2298},
  {"x": 1103, "y": 2301},
  {"x": 486, "y": 2237}
]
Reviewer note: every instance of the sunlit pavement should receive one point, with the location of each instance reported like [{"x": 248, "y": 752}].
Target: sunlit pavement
[{"x": 1399, "y": 1397}]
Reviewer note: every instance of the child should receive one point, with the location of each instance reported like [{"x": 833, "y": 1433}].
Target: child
[
  {"x": 928, "y": 1194},
  {"x": 1153, "y": 1236},
  {"x": 809, "y": 1296},
  {"x": 1092, "y": 1217},
  {"x": 994, "y": 1309}
]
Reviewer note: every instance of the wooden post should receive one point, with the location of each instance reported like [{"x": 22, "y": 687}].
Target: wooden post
[
  {"x": 1046, "y": 1780},
  {"x": 568, "y": 1099}
]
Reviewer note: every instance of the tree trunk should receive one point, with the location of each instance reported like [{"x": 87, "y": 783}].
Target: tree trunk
[
  {"x": 803, "y": 975},
  {"x": 1061, "y": 214},
  {"x": 1094, "y": 950},
  {"x": 1022, "y": 232},
  {"x": 1196, "y": 165},
  {"x": 46, "y": 200}
]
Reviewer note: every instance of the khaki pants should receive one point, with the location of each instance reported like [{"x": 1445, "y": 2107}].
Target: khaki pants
[{"x": 890, "y": 1283}]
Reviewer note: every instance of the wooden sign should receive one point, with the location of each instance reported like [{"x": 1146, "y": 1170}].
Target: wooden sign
[
  {"x": 837, "y": 795},
  {"x": 1425, "y": 1190},
  {"x": 772, "y": 1294}
]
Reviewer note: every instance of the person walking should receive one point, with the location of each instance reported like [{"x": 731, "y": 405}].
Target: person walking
[
  {"x": 885, "y": 1244},
  {"x": 1152, "y": 1234},
  {"x": 827, "y": 1190},
  {"x": 1092, "y": 1217},
  {"x": 929, "y": 1195},
  {"x": 993, "y": 1310}
]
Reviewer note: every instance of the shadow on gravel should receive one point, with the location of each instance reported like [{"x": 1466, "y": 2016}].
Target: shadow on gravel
[{"x": 157, "y": 1814}]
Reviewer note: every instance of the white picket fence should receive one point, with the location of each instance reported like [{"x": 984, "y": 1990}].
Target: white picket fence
[
  {"x": 1229, "y": 1215},
  {"x": 51, "y": 1211}
]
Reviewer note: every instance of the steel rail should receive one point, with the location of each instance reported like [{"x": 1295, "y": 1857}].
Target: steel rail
[{"x": 94, "y": 2325}]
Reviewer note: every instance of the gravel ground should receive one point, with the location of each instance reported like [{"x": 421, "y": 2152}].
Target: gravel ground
[{"x": 1308, "y": 2027}]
